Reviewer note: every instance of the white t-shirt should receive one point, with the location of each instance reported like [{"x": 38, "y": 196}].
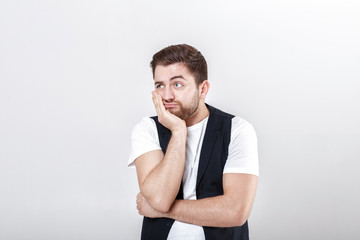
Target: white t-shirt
[{"x": 242, "y": 158}]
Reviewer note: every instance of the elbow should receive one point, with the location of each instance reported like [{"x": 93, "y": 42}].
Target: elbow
[
  {"x": 158, "y": 202},
  {"x": 161, "y": 204},
  {"x": 239, "y": 217},
  {"x": 239, "y": 221}
]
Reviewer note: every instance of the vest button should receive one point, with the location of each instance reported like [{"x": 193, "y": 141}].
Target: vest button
[{"x": 169, "y": 224}]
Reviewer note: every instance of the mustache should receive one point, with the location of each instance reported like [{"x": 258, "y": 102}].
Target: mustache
[{"x": 170, "y": 101}]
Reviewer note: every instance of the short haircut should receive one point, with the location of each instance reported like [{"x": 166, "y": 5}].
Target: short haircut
[{"x": 182, "y": 53}]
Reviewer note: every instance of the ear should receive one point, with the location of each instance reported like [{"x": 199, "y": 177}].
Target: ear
[{"x": 204, "y": 89}]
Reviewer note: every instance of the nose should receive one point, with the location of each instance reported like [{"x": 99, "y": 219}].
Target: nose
[{"x": 167, "y": 94}]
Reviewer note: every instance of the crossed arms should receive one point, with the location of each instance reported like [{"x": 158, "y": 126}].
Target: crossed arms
[{"x": 160, "y": 176}]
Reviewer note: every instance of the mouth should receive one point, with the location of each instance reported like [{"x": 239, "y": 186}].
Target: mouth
[{"x": 170, "y": 105}]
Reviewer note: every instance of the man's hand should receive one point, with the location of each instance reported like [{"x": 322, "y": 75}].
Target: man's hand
[
  {"x": 166, "y": 118},
  {"x": 145, "y": 209}
]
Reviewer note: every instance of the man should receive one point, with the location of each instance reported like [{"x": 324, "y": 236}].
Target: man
[{"x": 197, "y": 166}]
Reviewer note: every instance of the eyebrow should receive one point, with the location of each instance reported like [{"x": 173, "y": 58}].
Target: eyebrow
[
  {"x": 177, "y": 76},
  {"x": 172, "y": 78}
]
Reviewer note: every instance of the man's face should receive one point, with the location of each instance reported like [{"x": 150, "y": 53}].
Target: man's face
[{"x": 177, "y": 87}]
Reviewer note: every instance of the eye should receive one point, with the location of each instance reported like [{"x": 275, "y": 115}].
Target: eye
[
  {"x": 177, "y": 85},
  {"x": 159, "y": 86}
]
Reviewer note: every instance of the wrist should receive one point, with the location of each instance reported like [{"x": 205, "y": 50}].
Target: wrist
[{"x": 179, "y": 130}]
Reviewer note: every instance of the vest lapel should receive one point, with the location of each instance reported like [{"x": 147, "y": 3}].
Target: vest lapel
[
  {"x": 163, "y": 133},
  {"x": 211, "y": 135}
]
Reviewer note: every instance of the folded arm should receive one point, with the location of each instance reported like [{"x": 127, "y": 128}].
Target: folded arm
[
  {"x": 230, "y": 209},
  {"x": 160, "y": 175}
]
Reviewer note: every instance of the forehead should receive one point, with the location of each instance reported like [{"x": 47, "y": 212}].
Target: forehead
[{"x": 164, "y": 73}]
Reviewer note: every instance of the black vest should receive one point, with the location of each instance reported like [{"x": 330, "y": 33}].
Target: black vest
[{"x": 213, "y": 156}]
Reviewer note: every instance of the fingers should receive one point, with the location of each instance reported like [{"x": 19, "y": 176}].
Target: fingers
[
  {"x": 157, "y": 100},
  {"x": 138, "y": 202},
  {"x": 153, "y": 93}
]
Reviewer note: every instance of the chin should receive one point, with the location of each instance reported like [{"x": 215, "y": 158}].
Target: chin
[{"x": 178, "y": 114}]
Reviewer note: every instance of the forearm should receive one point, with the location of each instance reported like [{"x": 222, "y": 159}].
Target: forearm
[
  {"x": 230, "y": 209},
  {"x": 162, "y": 184},
  {"x": 218, "y": 211}
]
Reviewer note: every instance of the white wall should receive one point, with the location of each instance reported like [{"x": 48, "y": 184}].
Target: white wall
[{"x": 75, "y": 78}]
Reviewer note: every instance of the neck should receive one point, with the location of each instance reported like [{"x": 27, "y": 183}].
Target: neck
[{"x": 201, "y": 113}]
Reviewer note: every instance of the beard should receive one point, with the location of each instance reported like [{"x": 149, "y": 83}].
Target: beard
[{"x": 187, "y": 110}]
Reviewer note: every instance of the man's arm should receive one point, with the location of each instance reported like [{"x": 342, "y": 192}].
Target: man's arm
[
  {"x": 230, "y": 209},
  {"x": 160, "y": 175}
]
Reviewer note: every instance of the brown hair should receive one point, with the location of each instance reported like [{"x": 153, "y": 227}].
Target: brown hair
[{"x": 182, "y": 53}]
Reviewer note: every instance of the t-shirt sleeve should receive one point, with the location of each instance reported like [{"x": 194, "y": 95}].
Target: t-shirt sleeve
[
  {"x": 144, "y": 138},
  {"x": 243, "y": 151}
]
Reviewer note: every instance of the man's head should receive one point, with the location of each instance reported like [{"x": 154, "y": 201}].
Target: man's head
[
  {"x": 180, "y": 78},
  {"x": 182, "y": 53}
]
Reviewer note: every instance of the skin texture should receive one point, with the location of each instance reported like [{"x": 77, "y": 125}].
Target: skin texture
[{"x": 180, "y": 102}]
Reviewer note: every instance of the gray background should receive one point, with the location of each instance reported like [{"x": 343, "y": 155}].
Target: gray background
[{"x": 75, "y": 78}]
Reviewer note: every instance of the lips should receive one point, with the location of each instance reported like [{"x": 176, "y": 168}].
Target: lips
[{"x": 170, "y": 105}]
